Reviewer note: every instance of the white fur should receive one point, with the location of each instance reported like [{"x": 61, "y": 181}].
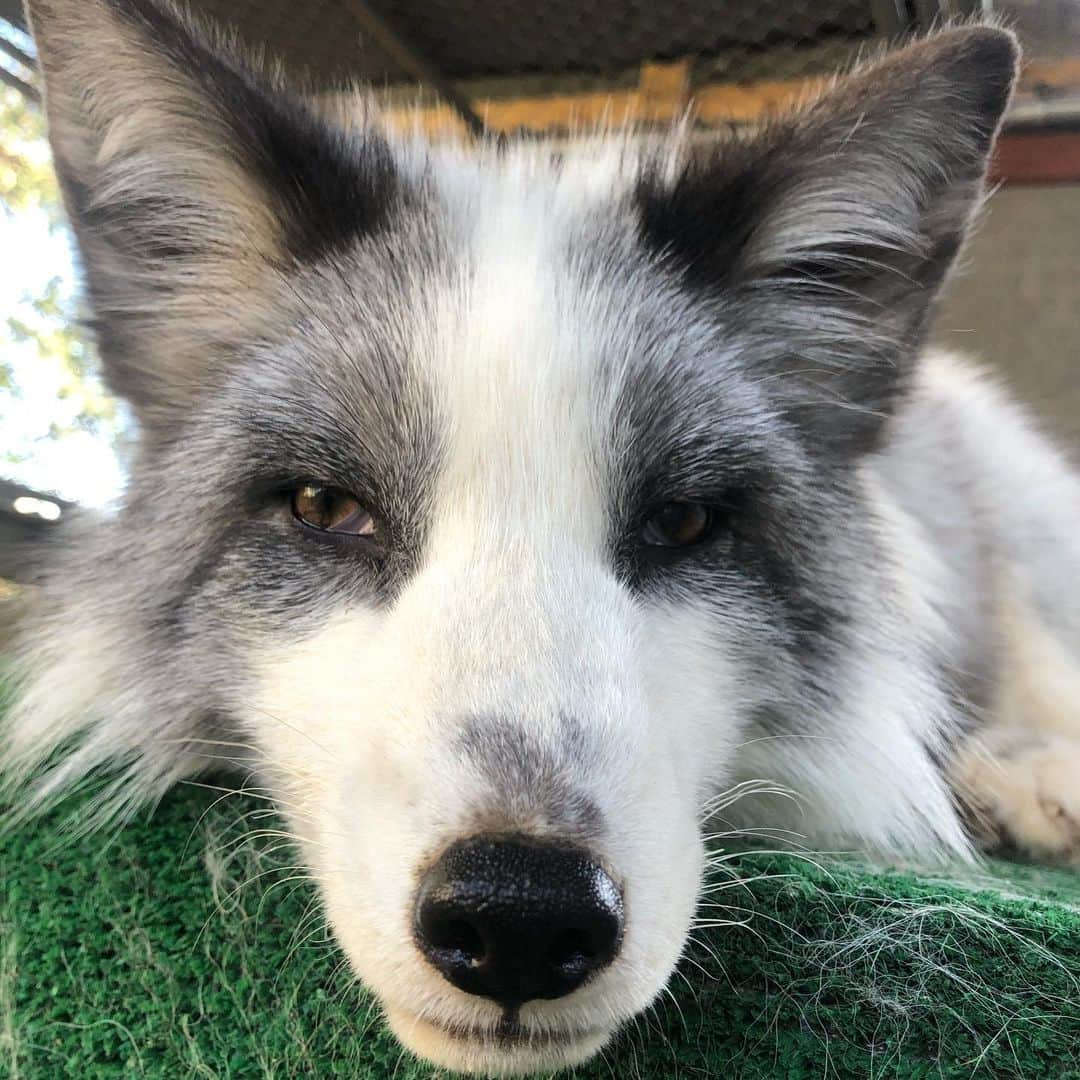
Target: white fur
[{"x": 481, "y": 285}]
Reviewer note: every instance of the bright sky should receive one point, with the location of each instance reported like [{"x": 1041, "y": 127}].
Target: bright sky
[{"x": 79, "y": 466}]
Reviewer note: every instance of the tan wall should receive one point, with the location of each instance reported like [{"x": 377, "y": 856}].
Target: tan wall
[{"x": 1017, "y": 304}]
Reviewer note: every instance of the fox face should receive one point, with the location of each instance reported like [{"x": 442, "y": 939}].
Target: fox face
[{"x": 503, "y": 505}]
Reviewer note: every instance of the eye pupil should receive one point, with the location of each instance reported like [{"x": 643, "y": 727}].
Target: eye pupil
[
  {"x": 331, "y": 510},
  {"x": 677, "y": 524}
]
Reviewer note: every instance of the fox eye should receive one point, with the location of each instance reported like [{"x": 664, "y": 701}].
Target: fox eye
[
  {"x": 677, "y": 525},
  {"x": 331, "y": 509}
]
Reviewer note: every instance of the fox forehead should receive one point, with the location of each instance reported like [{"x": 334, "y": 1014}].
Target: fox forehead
[
  {"x": 509, "y": 322},
  {"x": 518, "y": 331}
]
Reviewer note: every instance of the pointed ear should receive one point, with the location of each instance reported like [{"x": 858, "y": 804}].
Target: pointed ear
[
  {"x": 829, "y": 232},
  {"x": 191, "y": 182}
]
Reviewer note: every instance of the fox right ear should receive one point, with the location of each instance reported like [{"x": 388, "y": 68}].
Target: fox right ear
[
  {"x": 838, "y": 223},
  {"x": 191, "y": 182}
]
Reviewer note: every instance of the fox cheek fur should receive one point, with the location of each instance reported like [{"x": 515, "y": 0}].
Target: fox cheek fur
[{"x": 515, "y": 362}]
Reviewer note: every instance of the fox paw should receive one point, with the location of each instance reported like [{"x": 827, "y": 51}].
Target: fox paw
[{"x": 1023, "y": 795}]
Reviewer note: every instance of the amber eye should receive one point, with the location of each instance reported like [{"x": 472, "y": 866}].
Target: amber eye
[
  {"x": 676, "y": 525},
  {"x": 331, "y": 510}
]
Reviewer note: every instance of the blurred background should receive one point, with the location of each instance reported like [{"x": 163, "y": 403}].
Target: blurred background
[{"x": 543, "y": 70}]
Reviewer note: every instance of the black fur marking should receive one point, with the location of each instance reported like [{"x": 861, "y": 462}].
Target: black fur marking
[
  {"x": 834, "y": 228},
  {"x": 328, "y": 186},
  {"x": 704, "y": 220}
]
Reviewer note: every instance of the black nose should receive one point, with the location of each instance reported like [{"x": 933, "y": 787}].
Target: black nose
[{"x": 514, "y": 919}]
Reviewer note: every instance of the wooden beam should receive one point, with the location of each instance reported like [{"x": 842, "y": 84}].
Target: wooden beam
[
  {"x": 560, "y": 113},
  {"x": 1042, "y": 75},
  {"x": 1037, "y": 157},
  {"x": 663, "y": 89},
  {"x": 395, "y": 47},
  {"x": 663, "y": 93},
  {"x": 547, "y": 114}
]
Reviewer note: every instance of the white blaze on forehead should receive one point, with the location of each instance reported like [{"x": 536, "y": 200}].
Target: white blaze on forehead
[{"x": 516, "y": 339}]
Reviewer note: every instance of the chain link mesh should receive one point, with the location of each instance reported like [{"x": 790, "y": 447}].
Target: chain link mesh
[{"x": 468, "y": 39}]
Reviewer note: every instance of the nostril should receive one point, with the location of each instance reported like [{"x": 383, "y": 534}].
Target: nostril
[
  {"x": 571, "y": 952},
  {"x": 456, "y": 936}
]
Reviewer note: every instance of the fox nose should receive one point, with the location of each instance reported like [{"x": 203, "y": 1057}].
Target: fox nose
[{"x": 514, "y": 919}]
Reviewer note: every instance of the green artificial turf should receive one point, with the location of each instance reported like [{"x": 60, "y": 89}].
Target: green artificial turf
[{"x": 186, "y": 946}]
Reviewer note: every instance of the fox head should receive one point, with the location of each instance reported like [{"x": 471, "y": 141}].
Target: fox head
[{"x": 503, "y": 504}]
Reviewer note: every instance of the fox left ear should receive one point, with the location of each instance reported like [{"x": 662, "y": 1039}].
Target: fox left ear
[
  {"x": 193, "y": 183},
  {"x": 827, "y": 235}
]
